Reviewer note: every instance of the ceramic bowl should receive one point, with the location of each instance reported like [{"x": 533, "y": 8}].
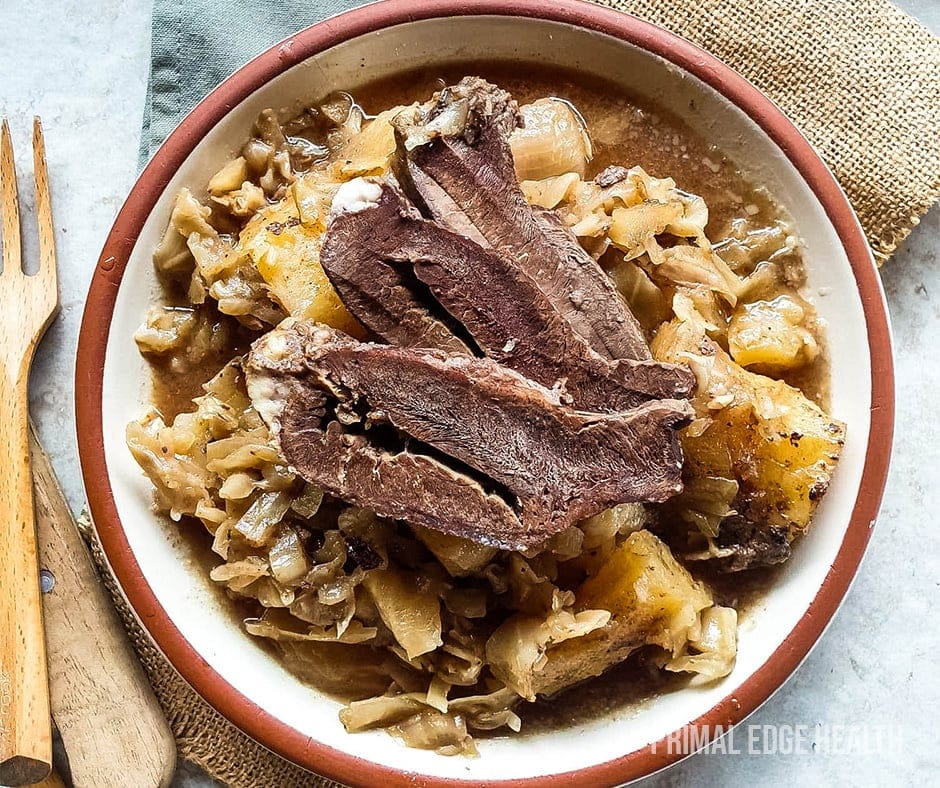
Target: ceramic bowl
[{"x": 166, "y": 583}]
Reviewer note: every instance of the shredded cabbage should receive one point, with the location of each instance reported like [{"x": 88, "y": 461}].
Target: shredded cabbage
[{"x": 426, "y": 635}]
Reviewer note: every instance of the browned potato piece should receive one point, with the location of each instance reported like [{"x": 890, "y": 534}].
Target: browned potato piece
[
  {"x": 652, "y": 600},
  {"x": 778, "y": 445},
  {"x": 770, "y": 335}
]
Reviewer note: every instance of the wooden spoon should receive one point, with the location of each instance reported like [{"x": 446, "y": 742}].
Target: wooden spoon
[{"x": 110, "y": 723}]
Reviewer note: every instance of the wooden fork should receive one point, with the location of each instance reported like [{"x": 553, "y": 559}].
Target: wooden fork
[{"x": 27, "y": 306}]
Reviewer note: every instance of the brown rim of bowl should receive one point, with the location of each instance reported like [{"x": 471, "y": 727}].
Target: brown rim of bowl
[{"x": 252, "y": 719}]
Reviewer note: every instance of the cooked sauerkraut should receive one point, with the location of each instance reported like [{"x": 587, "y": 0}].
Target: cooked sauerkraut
[{"x": 428, "y": 636}]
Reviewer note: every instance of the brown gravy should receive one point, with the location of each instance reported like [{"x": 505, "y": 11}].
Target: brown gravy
[{"x": 625, "y": 131}]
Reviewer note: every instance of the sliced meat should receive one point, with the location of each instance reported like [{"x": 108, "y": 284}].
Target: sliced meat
[
  {"x": 457, "y": 444},
  {"x": 445, "y": 210},
  {"x": 403, "y": 485},
  {"x": 458, "y": 144},
  {"x": 508, "y": 317},
  {"x": 383, "y": 298}
]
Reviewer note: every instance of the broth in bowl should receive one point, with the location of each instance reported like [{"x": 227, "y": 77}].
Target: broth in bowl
[{"x": 475, "y": 386}]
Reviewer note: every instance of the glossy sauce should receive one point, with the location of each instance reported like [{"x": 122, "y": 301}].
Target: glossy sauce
[{"x": 626, "y": 132}]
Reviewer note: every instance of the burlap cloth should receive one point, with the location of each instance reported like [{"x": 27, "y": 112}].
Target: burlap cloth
[{"x": 859, "y": 78}]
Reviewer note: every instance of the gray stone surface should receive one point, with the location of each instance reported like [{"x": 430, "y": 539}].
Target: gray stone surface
[{"x": 83, "y": 68}]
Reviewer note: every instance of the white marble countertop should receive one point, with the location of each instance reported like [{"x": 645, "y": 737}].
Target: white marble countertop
[{"x": 83, "y": 68}]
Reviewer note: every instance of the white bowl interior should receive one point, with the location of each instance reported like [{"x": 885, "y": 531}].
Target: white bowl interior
[{"x": 204, "y": 617}]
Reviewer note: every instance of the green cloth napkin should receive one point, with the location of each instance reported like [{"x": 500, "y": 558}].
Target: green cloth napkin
[{"x": 198, "y": 43}]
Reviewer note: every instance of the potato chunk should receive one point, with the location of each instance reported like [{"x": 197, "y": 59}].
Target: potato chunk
[
  {"x": 652, "y": 600},
  {"x": 770, "y": 335},
  {"x": 779, "y": 446},
  {"x": 286, "y": 252},
  {"x": 650, "y": 595}
]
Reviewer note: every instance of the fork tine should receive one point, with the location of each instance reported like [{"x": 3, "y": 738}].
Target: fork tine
[
  {"x": 47, "y": 268},
  {"x": 9, "y": 204}
]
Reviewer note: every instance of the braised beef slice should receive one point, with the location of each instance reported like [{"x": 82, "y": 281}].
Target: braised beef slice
[
  {"x": 507, "y": 315},
  {"x": 443, "y": 209},
  {"x": 458, "y": 145},
  {"x": 481, "y": 452},
  {"x": 384, "y": 298}
]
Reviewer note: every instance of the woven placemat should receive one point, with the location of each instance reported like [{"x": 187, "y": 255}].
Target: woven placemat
[
  {"x": 203, "y": 736},
  {"x": 859, "y": 78}
]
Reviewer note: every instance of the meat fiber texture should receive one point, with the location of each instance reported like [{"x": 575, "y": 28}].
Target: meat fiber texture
[
  {"x": 464, "y": 176},
  {"x": 372, "y": 253},
  {"x": 458, "y": 444},
  {"x": 565, "y": 414}
]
